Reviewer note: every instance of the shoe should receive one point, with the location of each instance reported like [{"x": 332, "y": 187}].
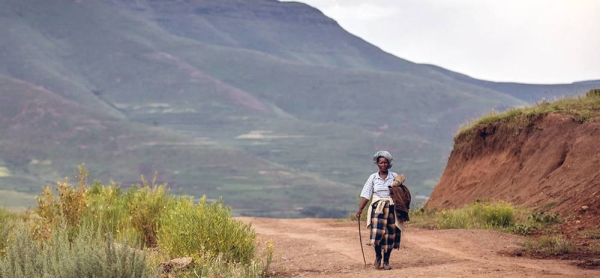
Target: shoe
[
  {"x": 386, "y": 266},
  {"x": 377, "y": 264}
]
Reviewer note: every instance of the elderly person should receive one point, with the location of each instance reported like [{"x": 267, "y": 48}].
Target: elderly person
[{"x": 381, "y": 217}]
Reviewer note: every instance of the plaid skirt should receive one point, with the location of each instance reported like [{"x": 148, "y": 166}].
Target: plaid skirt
[{"x": 383, "y": 228}]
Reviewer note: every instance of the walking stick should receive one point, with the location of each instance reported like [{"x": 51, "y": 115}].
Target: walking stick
[{"x": 360, "y": 238}]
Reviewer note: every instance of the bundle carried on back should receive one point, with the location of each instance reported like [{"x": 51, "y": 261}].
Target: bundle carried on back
[{"x": 401, "y": 196}]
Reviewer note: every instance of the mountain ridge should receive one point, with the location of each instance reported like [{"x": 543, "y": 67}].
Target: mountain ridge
[{"x": 303, "y": 98}]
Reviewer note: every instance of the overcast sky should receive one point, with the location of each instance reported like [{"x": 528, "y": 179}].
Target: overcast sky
[{"x": 532, "y": 41}]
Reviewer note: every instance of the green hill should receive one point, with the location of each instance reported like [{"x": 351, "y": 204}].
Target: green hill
[{"x": 271, "y": 105}]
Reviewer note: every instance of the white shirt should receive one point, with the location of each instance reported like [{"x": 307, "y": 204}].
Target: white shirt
[{"x": 376, "y": 185}]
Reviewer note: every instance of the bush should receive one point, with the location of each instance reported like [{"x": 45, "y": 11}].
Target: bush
[
  {"x": 87, "y": 254},
  {"x": 146, "y": 204},
  {"x": 69, "y": 206},
  {"x": 107, "y": 210},
  {"x": 201, "y": 229}
]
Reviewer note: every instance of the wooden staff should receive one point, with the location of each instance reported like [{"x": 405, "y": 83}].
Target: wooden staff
[{"x": 360, "y": 238}]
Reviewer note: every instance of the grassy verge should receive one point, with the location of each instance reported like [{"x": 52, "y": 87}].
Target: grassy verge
[
  {"x": 499, "y": 216},
  {"x": 503, "y": 217},
  {"x": 591, "y": 234},
  {"x": 549, "y": 245}
]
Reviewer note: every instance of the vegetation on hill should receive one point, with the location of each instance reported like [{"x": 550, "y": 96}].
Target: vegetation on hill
[
  {"x": 583, "y": 108},
  {"x": 105, "y": 231}
]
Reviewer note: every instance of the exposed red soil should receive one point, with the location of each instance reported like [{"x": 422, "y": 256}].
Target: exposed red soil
[{"x": 550, "y": 163}]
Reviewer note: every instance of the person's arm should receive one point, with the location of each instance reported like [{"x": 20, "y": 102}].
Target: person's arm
[
  {"x": 365, "y": 194},
  {"x": 361, "y": 206}
]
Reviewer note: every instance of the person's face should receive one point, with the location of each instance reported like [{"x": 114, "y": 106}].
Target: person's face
[{"x": 383, "y": 164}]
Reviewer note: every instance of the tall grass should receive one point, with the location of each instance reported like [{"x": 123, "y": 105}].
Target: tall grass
[
  {"x": 479, "y": 215},
  {"x": 549, "y": 245}
]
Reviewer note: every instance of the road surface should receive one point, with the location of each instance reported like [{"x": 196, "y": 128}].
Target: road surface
[{"x": 330, "y": 248}]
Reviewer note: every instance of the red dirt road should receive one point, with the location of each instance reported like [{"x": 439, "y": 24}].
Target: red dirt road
[{"x": 330, "y": 248}]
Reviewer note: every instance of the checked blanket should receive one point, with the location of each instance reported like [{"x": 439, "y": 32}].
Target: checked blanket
[{"x": 384, "y": 231}]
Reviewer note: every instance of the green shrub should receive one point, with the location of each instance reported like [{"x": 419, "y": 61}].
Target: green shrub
[
  {"x": 86, "y": 254},
  {"x": 495, "y": 215},
  {"x": 555, "y": 245},
  {"x": 455, "y": 219},
  {"x": 145, "y": 204},
  {"x": 521, "y": 229},
  {"x": 545, "y": 219},
  {"x": 205, "y": 230},
  {"x": 107, "y": 210}
]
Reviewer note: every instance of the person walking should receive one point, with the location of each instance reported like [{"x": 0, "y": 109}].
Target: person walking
[{"x": 381, "y": 216}]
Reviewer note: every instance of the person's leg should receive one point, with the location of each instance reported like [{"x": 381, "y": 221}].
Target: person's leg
[
  {"x": 386, "y": 259},
  {"x": 392, "y": 236},
  {"x": 377, "y": 263}
]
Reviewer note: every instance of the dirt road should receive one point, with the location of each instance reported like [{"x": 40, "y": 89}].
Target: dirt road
[{"x": 330, "y": 248}]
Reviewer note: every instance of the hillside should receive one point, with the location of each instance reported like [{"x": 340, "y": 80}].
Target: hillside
[
  {"x": 47, "y": 134},
  {"x": 545, "y": 158},
  {"x": 272, "y": 105}
]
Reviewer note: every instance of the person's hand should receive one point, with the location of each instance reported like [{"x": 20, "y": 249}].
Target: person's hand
[{"x": 358, "y": 213}]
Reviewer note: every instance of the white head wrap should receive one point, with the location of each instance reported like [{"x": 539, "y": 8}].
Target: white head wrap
[{"x": 387, "y": 156}]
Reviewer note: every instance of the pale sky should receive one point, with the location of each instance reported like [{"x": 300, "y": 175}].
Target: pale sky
[{"x": 530, "y": 41}]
